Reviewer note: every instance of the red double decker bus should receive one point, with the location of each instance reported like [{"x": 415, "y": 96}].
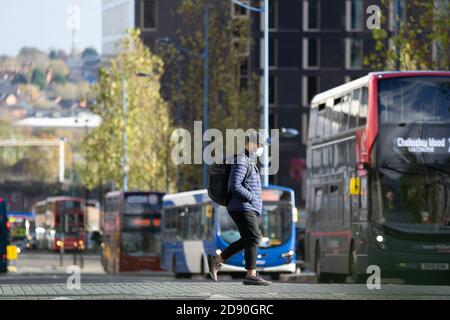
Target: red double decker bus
[
  {"x": 131, "y": 226},
  {"x": 378, "y": 184},
  {"x": 60, "y": 223}
]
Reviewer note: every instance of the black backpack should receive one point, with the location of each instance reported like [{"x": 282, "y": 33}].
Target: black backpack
[{"x": 218, "y": 182}]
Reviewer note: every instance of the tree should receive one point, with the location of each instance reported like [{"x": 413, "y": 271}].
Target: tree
[
  {"x": 38, "y": 78},
  {"x": 20, "y": 79},
  {"x": 148, "y": 123},
  {"x": 70, "y": 90},
  {"x": 32, "y": 57},
  {"x": 59, "y": 70},
  {"x": 421, "y": 43},
  {"x": 29, "y": 93},
  {"x": 89, "y": 52},
  {"x": 232, "y": 102}
]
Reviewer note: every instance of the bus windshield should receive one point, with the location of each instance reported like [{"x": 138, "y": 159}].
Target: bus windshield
[
  {"x": 417, "y": 199},
  {"x": 275, "y": 224},
  {"x": 140, "y": 243},
  {"x": 414, "y": 100},
  {"x": 142, "y": 203}
]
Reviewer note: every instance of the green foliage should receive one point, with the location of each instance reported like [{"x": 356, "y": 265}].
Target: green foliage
[
  {"x": 20, "y": 79},
  {"x": 38, "y": 78},
  {"x": 89, "y": 52},
  {"x": 148, "y": 123},
  {"x": 421, "y": 43},
  {"x": 230, "y": 106},
  {"x": 32, "y": 57},
  {"x": 59, "y": 70},
  {"x": 68, "y": 90}
]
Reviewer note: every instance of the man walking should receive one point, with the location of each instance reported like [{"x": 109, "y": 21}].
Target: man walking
[{"x": 244, "y": 207}]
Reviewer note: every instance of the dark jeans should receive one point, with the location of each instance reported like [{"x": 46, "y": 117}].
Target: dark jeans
[{"x": 248, "y": 226}]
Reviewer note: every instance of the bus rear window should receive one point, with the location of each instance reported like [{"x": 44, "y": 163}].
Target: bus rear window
[
  {"x": 69, "y": 205},
  {"x": 414, "y": 100}
]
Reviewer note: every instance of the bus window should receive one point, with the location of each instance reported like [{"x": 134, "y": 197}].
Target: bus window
[
  {"x": 193, "y": 223},
  {"x": 351, "y": 154},
  {"x": 363, "y": 107},
  {"x": 321, "y": 119},
  {"x": 325, "y": 158},
  {"x": 328, "y": 117},
  {"x": 317, "y": 160},
  {"x": 354, "y": 109},
  {"x": 415, "y": 99},
  {"x": 336, "y": 116},
  {"x": 313, "y": 123},
  {"x": 317, "y": 203},
  {"x": 342, "y": 154},
  {"x": 345, "y": 113},
  {"x": 334, "y": 203}
]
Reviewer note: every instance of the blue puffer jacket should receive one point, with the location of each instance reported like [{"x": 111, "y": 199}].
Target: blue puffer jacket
[{"x": 246, "y": 195}]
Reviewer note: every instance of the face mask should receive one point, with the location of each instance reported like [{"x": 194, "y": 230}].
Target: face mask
[{"x": 259, "y": 151}]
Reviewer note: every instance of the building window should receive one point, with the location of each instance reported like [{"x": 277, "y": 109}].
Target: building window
[
  {"x": 273, "y": 14},
  {"x": 273, "y": 44},
  {"x": 311, "y": 56},
  {"x": 244, "y": 74},
  {"x": 354, "y": 53},
  {"x": 311, "y": 15},
  {"x": 354, "y": 15},
  {"x": 397, "y": 13},
  {"x": 272, "y": 89},
  {"x": 149, "y": 16},
  {"x": 238, "y": 11},
  {"x": 310, "y": 89}
]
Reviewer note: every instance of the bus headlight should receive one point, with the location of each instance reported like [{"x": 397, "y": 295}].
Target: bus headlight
[
  {"x": 288, "y": 254},
  {"x": 218, "y": 252},
  {"x": 379, "y": 237},
  {"x": 59, "y": 243}
]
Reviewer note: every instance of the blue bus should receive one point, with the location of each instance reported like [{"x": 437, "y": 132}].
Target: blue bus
[
  {"x": 3, "y": 235},
  {"x": 193, "y": 227}
]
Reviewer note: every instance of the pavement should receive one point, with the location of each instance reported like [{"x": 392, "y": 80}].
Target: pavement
[
  {"x": 202, "y": 290},
  {"x": 40, "y": 276}
]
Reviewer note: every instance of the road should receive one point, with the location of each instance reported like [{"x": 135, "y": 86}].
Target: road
[{"x": 39, "y": 276}]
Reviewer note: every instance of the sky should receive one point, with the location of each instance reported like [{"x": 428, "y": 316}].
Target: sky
[{"x": 43, "y": 24}]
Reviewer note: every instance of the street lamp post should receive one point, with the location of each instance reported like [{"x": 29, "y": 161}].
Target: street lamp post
[{"x": 205, "y": 90}]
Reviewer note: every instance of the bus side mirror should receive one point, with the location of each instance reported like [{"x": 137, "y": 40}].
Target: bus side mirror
[{"x": 355, "y": 186}]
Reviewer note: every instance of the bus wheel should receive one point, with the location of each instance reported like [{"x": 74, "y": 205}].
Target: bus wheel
[
  {"x": 339, "y": 278},
  {"x": 321, "y": 277},
  {"x": 356, "y": 277}
]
